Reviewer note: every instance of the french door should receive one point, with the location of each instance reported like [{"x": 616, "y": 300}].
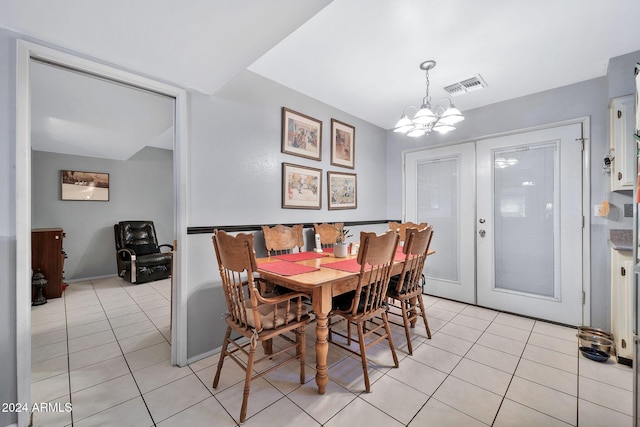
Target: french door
[
  {"x": 440, "y": 190},
  {"x": 522, "y": 193}
]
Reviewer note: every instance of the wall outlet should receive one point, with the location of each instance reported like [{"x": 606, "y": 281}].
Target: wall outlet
[{"x": 628, "y": 210}]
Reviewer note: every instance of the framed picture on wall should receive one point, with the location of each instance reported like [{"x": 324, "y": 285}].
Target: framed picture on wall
[
  {"x": 301, "y": 187},
  {"x": 87, "y": 186},
  {"x": 343, "y": 144},
  {"x": 301, "y": 135},
  {"x": 343, "y": 190}
]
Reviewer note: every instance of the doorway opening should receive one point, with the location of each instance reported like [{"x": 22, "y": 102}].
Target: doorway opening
[{"x": 26, "y": 53}]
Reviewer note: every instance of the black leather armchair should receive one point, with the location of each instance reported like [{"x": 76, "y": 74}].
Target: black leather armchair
[{"x": 138, "y": 254}]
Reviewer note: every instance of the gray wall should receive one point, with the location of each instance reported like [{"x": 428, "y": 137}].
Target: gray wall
[
  {"x": 140, "y": 188},
  {"x": 235, "y": 172},
  {"x": 589, "y": 98},
  {"x": 8, "y": 373}
]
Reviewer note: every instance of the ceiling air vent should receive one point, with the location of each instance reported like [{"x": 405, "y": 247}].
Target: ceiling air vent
[{"x": 465, "y": 86}]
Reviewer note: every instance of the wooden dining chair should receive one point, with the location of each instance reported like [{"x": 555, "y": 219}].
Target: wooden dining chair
[
  {"x": 328, "y": 233},
  {"x": 401, "y": 228},
  {"x": 366, "y": 306},
  {"x": 281, "y": 239},
  {"x": 405, "y": 290},
  {"x": 252, "y": 317}
]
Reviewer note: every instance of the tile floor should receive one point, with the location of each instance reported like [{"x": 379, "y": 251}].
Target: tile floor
[{"x": 104, "y": 348}]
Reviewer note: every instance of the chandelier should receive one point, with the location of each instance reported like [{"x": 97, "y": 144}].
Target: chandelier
[{"x": 441, "y": 119}]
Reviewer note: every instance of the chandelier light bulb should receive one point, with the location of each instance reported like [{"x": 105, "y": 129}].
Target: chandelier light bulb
[{"x": 441, "y": 119}]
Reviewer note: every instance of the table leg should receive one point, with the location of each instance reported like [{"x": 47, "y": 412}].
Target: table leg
[{"x": 322, "y": 306}]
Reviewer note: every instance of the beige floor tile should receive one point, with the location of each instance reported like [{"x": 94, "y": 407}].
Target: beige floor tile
[
  {"x": 210, "y": 412},
  {"x": 321, "y": 408},
  {"x": 231, "y": 374},
  {"x": 175, "y": 397},
  {"x": 89, "y": 341},
  {"x": 158, "y": 375},
  {"x": 593, "y": 415},
  {"x": 58, "y": 416},
  {"x": 460, "y": 331},
  {"x": 439, "y": 313},
  {"x": 88, "y": 329},
  {"x": 130, "y": 413},
  {"x": 470, "y": 321},
  {"x": 50, "y": 388},
  {"x": 97, "y": 373},
  {"x": 450, "y": 343},
  {"x": 449, "y": 305},
  {"x": 543, "y": 399},
  {"x": 148, "y": 356},
  {"x": 479, "y": 312},
  {"x": 360, "y": 413},
  {"x": 484, "y": 376},
  {"x": 514, "y": 414},
  {"x": 87, "y": 357},
  {"x": 610, "y": 373},
  {"x": 557, "y": 331},
  {"x": 435, "y": 357},
  {"x": 83, "y": 311},
  {"x": 162, "y": 321},
  {"x": 158, "y": 312},
  {"x": 553, "y": 343},
  {"x": 348, "y": 374},
  {"x": 497, "y": 359},
  {"x": 134, "y": 329},
  {"x": 86, "y": 319},
  {"x": 49, "y": 351},
  {"x": 497, "y": 342},
  {"x": 515, "y": 321},
  {"x": 566, "y": 362},
  {"x": 205, "y": 362},
  {"x": 287, "y": 377},
  {"x": 141, "y": 341},
  {"x": 426, "y": 382},
  {"x": 128, "y": 319},
  {"x": 122, "y": 311},
  {"x": 556, "y": 379},
  {"x": 48, "y": 327},
  {"x": 396, "y": 399},
  {"x": 47, "y": 338},
  {"x": 103, "y": 396},
  {"x": 606, "y": 395},
  {"x": 436, "y": 413},
  {"x": 472, "y": 400},
  {"x": 49, "y": 368},
  {"x": 511, "y": 332}
]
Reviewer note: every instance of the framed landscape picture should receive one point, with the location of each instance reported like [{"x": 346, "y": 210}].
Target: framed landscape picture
[
  {"x": 91, "y": 186},
  {"x": 343, "y": 190},
  {"x": 301, "y": 135},
  {"x": 301, "y": 187},
  {"x": 343, "y": 144}
]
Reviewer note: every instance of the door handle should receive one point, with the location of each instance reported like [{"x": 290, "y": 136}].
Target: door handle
[
  {"x": 482, "y": 233},
  {"x": 481, "y": 220}
]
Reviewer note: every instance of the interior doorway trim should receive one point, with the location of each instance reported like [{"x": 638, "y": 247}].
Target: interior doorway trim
[{"x": 25, "y": 51}]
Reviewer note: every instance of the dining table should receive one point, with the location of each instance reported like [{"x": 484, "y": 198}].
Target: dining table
[{"x": 321, "y": 276}]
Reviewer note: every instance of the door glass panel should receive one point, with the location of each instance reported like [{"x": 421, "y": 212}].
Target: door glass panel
[
  {"x": 438, "y": 205},
  {"x": 524, "y": 219}
]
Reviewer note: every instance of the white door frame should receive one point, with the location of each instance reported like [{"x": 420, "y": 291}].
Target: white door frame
[
  {"x": 25, "y": 51},
  {"x": 586, "y": 194}
]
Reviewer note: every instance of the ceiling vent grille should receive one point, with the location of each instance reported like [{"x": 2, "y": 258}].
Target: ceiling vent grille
[{"x": 465, "y": 86}]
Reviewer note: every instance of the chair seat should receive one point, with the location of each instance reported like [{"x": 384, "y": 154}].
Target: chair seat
[
  {"x": 267, "y": 318},
  {"x": 154, "y": 259}
]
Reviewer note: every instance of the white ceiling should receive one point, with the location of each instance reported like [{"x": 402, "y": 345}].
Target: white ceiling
[{"x": 359, "y": 56}]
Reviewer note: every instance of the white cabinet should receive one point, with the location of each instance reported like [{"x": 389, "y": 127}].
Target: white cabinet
[
  {"x": 623, "y": 146},
  {"x": 622, "y": 279}
]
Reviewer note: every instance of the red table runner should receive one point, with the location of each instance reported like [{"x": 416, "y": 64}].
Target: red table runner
[
  {"x": 300, "y": 256},
  {"x": 286, "y": 268},
  {"x": 349, "y": 265}
]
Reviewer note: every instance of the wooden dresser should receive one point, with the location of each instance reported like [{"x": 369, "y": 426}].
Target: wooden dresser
[{"x": 48, "y": 256}]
